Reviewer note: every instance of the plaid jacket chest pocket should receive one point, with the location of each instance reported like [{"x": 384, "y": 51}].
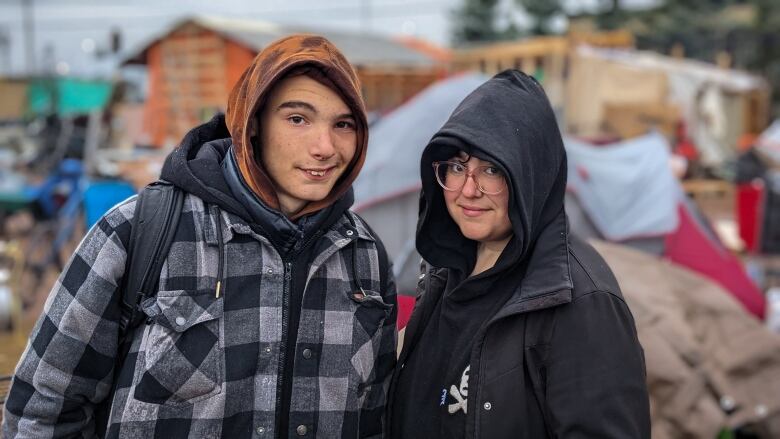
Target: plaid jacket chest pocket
[
  {"x": 181, "y": 356},
  {"x": 370, "y": 313}
]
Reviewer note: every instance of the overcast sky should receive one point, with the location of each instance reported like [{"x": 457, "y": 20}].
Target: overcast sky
[{"x": 68, "y": 32}]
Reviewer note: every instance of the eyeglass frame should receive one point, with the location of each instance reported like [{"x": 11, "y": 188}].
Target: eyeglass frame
[{"x": 469, "y": 173}]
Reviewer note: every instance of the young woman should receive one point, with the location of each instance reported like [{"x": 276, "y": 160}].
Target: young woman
[{"x": 519, "y": 330}]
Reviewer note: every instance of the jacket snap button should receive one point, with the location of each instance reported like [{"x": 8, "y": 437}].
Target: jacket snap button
[
  {"x": 180, "y": 321},
  {"x": 307, "y": 353},
  {"x": 727, "y": 403},
  {"x": 488, "y": 406},
  {"x": 350, "y": 232},
  {"x": 260, "y": 430},
  {"x": 301, "y": 430}
]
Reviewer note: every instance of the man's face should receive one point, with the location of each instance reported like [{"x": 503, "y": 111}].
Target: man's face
[{"x": 308, "y": 138}]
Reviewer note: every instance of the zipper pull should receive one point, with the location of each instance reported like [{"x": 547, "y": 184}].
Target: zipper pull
[{"x": 219, "y": 287}]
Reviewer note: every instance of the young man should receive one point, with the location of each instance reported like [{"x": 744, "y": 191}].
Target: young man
[{"x": 270, "y": 320}]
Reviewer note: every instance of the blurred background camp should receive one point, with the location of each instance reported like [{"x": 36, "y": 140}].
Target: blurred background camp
[{"x": 670, "y": 113}]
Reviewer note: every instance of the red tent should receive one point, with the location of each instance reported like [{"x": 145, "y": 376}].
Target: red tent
[{"x": 691, "y": 246}]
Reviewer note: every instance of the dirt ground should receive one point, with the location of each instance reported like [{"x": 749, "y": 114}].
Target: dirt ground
[{"x": 32, "y": 244}]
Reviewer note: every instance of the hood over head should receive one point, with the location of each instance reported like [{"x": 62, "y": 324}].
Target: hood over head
[
  {"x": 309, "y": 55},
  {"x": 509, "y": 122}
]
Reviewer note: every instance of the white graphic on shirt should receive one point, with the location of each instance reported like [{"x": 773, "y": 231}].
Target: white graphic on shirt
[{"x": 460, "y": 394}]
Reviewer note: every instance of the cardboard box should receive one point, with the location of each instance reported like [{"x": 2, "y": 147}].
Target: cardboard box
[{"x": 632, "y": 120}]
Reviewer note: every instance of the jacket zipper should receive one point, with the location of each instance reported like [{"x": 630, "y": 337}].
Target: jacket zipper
[
  {"x": 285, "y": 323},
  {"x": 283, "y": 342}
]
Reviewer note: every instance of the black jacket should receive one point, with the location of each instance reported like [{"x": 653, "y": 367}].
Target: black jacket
[
  {"x": 561, "y": 357},
  {"x": 551, "y": 364}
]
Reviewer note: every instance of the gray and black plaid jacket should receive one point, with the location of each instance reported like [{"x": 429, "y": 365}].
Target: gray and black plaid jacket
[{"x": 205, "y": 366}]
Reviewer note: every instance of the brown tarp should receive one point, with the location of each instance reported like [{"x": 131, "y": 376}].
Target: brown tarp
[{"x": 709, "y": 363}]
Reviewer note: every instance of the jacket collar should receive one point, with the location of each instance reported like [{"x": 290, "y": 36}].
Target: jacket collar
[
  {"x": 547, "y": 281},
  {"x": 233, "y": 224},
  {"x": 287, "y": 237}
]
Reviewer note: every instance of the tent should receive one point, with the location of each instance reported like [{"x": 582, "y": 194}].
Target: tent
[
  {"x": 627, "y": 187},
  {"x": 625, "y": 192},
  {"x": 692, "y": 246},
  {"x": 399, "y": 138},
  {"x": 387, "y": 190}
]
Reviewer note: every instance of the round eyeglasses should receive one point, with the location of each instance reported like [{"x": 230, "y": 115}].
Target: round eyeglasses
[{"x": 451, "y": 176}]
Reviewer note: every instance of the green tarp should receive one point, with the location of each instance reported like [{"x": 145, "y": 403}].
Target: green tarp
[{"x": 67, "y": 96}]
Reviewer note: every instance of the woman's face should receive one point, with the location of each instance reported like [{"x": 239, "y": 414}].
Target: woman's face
[{"x": 481, "y": 217}]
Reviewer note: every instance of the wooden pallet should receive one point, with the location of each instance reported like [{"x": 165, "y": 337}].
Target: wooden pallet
[
  {"x": 697, "y": 188},
  {"x": 5, "y": 386}
]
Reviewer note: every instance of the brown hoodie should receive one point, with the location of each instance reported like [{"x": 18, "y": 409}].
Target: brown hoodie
[{"x": 277, "y": 60}]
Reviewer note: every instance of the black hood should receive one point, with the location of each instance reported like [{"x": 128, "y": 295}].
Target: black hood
[
  {"x": 507, "y": 121},
  {"x": 195, "y": 166}
]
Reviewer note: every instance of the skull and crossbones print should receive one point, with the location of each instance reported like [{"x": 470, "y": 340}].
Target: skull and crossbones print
[{"x": 460, "y": 393}]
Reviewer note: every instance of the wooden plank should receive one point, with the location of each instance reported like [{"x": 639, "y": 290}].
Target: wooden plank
[{"x": 707, "y": 187}]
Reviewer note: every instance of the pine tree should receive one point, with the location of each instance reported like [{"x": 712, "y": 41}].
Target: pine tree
[
  {"x": 475, "y": 21},
  {"x": 542, "y": 11}
]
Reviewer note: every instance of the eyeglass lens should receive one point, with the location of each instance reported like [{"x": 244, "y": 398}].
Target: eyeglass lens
[{"x": 452, "y": 176}]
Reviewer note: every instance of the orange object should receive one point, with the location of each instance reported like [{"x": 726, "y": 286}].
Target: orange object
[{"x": 746, "y": 141}]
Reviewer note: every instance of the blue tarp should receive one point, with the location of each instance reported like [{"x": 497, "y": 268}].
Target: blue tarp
[{"x": 627, "y": 188}]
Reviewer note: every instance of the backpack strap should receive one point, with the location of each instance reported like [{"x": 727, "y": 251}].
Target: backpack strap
[{"x": 157, "y": 213}]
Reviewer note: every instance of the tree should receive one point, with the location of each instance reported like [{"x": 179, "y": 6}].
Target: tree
[
  {"x": 542, "y": 12},
  {"x": 475, "y": 21},
  {"x": 612, "y": 16},
  {"x": 705, "y": 28}
]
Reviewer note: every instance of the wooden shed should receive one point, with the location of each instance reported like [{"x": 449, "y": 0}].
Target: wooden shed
[{"x": 193, "y": 66}]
